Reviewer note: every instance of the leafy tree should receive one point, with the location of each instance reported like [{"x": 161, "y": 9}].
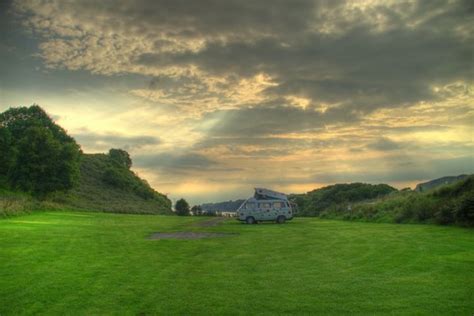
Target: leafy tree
[
  {"x": 182, "y": 207},
  {"x": 7, "y": 153},
  {"x": 43, "y": 164},
  {"x": 42, "y": 157},
  {"x": 121, "y": 157},
  {"x": 18, "y": 120},
  {"x": 116, "y": 177},
  {"x": 196, "y": 209}
]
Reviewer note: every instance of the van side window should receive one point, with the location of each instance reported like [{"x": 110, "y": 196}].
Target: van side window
[
  {"x": 277, "y": 205},
  {"x": 250, "y": 206}
]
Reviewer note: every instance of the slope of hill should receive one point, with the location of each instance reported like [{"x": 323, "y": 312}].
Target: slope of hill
[
  {"x": 436, "y": 183},
  {"x": 227, "y": 206},
  {"x": 336, "y": 196},
  {"x": 449, "y": 204},
  {"x": 107, "y": 186}
]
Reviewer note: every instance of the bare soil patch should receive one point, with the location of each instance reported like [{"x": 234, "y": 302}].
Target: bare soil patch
[{"x": 190, "y": 235}]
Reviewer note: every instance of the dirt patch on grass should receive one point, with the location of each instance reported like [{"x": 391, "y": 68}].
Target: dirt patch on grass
[
  {"x": 211, "y": 222},
  {"x": 190, "y": 235}
]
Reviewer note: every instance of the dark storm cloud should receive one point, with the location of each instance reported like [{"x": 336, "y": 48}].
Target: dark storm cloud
[
  {"x": 360, "y": 67},
  {"x": 363, "y": 56},
  {"x": 189, "y": 19},
  {"x": 103, "y": 142}
]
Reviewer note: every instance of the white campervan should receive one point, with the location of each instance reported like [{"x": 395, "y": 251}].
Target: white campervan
[{"x": 265, "y": 205}]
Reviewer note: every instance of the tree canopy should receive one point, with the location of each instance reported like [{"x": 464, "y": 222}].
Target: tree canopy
[
  {"x": 37, "y": 155},
  {"x": 121, "y": 157},
  {"x": 182, "y": 207}
]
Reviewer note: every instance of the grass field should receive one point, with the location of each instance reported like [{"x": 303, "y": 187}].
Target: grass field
[{"x": 97, "y": 263}]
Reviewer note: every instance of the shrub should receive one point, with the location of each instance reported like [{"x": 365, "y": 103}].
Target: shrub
[
  {"x": 115, "y": 177},
  {"x": 465, "y": 210},
  {"x": 445, "y": 215}
]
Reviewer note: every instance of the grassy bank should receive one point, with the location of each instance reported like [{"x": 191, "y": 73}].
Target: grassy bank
[
  {"x": 450, "y": 204},
  {"x": 98, "y": 263},
  {"x": 103, "y": 186},
  {"x": 14, "y": 203}
]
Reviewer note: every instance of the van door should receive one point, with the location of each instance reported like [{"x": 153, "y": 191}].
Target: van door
[
  {"x": 263, "y": 208},
  {"x": 266, "y": 210},
  {"x": 278, "y": 209}
]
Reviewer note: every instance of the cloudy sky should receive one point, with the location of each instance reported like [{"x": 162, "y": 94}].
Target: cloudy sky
[{"x": 214, "y": 97}]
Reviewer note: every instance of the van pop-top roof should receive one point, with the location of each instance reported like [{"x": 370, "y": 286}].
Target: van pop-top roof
[{"x": 266, "y": 194}]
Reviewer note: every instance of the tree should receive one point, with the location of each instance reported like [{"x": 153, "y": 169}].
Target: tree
[
  {"x": 121, "y": 157},
  {"x": 182, "y": 207},
  {"x": 43, "y": 157},
  {"x": 196, "y": 209},
  {"x": 7, "y": 153},
  {"x": 18, "y": 120}
]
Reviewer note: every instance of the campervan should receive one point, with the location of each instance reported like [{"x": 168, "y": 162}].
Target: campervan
[{"x": 265, "y": 205}]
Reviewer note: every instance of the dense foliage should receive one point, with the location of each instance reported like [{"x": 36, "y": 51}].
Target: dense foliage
[
  {"x": 37, "y": 155},
  {"x": 117, "y": 173},
  {"x": 120, "y": 157},
  {"x": 196, "y": 210},
  {"x": 337, "y": 196},
  {"x": 450, "y": 204},
  {"x": 182, "y": 207}
]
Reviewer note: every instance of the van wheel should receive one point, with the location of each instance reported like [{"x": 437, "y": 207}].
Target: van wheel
[
  {"x": 250, "y": 220},
  {"x": 281, "y": 219}
]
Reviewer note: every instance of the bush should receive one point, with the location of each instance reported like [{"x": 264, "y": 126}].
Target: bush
[
  {"x": 445, "y": 215},
  {"x": 120, "y": 157},
  {"x": 114, "y": 177},
  {"x": 464, "y": 213}
]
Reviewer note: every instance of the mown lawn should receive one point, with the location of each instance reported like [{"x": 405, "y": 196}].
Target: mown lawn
[{"x": 94, "y": 263}]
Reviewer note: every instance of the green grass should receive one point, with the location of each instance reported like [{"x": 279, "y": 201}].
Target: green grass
[{"x": 98, "y": 263}]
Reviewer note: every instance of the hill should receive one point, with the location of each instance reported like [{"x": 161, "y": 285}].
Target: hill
[
  {"x": 449, "y": 204},
  {"x": 42, "y": 167},
  {"x": 105, "y": 185},
  {"x": 337, "y": 196},
  {"x": 436, "y": 183},
  {"x": 227, "y": 206}
]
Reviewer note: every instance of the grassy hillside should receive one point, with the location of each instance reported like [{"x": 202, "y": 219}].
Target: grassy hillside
[
  {"x": 337, "y": 196},
  {"x": 98, "y": 263},
  {"x": 103, "y": 186},
  {"x": 450, "y": 204},
  {"x": 436, "y": 183},
  {"x": 107, "y": 186}
]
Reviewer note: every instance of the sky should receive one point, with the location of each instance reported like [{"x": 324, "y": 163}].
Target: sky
[{"x": 212, "y": 98}]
